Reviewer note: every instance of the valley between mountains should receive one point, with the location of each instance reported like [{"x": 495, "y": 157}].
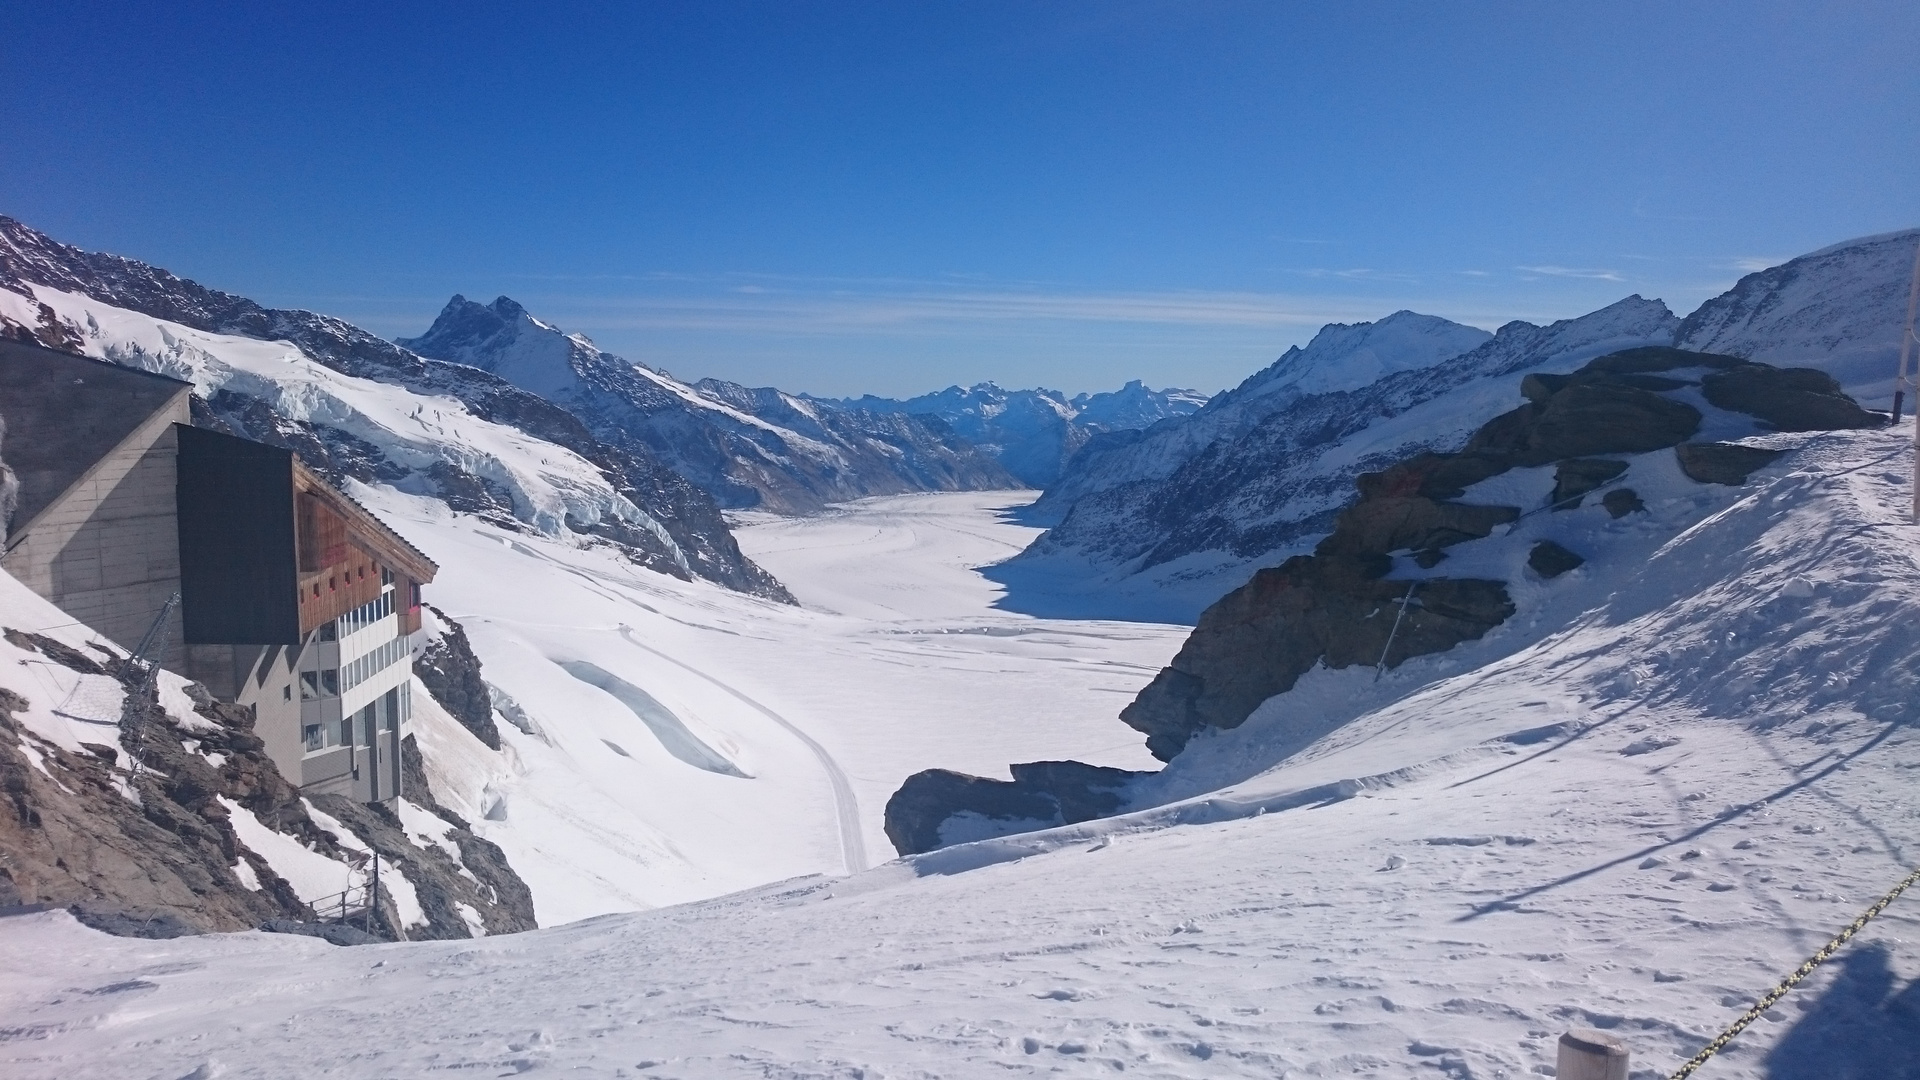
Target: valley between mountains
[{"x": 1433, "y": 691}]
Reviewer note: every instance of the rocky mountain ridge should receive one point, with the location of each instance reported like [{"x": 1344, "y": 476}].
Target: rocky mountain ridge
[
  {"x": 1258, "y": 473},
  {"x": 749, "y": 448},
  {"x": 648, "y": 509}
]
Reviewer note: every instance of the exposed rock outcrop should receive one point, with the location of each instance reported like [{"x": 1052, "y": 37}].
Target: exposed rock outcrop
[
  {"x": 163, "y": 865},
  {"x": 450, "y": 671},
  {"x": 1622, "y": 501},
  {"x": 1722, "y": 463},
  {"x": 1336, "y": 610},
  {"x": 921, "y": 815},
  {"x": 138, "y": 837},
  {"x": 1328, "y": 608},
  {"x": 1550, "y": 560},
  {"x": 1787, "y": 399}
]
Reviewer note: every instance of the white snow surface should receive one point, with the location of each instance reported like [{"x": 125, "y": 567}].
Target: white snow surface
[
  {"x": 898, "y": 662},
  {"x": 1693, "y": 770}
]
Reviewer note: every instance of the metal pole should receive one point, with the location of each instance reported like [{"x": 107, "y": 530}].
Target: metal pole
[
  {"x": 1906, "y": 350},
  {"x": 1381, "y": 668}
]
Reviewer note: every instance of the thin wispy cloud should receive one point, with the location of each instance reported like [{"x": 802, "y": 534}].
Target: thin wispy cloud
[
  {"x": 841, "y": 311},
  {"x": 1572, "y": 272}
]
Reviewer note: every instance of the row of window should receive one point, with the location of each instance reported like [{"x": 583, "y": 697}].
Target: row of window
[
  {"x": 381, "y": 658},
  {"x": 330, "y": 682},
  {"x": 384, "y": 713},
  {"x": 361, "y": 617}
]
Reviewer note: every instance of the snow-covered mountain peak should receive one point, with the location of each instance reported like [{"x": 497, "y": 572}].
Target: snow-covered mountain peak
[
  {"x": 1347, "y": 356},
  {"x": 1841, "y": 307},
  {"x": 504, "y": 339}
]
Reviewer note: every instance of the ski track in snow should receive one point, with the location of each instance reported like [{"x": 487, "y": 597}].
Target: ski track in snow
[{"x": 853, "y": 846}]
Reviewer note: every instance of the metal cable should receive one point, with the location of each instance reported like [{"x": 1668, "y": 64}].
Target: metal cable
[{"x": 1826, "y": 953}]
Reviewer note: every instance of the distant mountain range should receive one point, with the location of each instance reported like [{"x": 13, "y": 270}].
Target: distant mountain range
[
  {"x": 1195, "y": 503},
  {"x": 756, "y": 448},
  {"x": 1033, "y": 433}
]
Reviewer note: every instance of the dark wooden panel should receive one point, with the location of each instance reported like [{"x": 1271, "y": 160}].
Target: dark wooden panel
[{"x": 238, "y": 564}]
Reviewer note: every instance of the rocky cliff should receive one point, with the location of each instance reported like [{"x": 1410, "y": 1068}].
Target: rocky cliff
[
  {"x": 746, "y": 447},
  {"x": 145, "y": 807}
]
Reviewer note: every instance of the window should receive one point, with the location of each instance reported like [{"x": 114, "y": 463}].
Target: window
[
  {"x": 286, "y": 693},
  {"x": 314, "y": 740},
  {"x": 386, "y": 576},
  {"x": 328, "y": 632},
  {"x": 346, "y": 732},
  {"x": 309, "y": 685}
]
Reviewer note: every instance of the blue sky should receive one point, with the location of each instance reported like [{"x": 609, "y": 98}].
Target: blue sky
[{"x": 844, "y": 197}]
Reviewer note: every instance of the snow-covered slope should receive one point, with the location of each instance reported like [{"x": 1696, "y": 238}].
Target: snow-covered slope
[
  {"x": 355, "y": 405},
  {"x": 665, "y": 741},
  {"x": 746, "y": 447},
  {"x": 1839, "y": 309},
  {"x": 1695, "y": 771},
  {"x": 1033, "y": 433},
  {"x": 1264, "y": 486},
  {"x": 1190, "y": 505},
  {"x": 1340, "y": 357}
]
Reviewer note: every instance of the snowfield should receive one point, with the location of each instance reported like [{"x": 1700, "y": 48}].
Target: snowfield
[
  {"x": 668, "y": 741},
  {"x": 1640, "y": 819}
]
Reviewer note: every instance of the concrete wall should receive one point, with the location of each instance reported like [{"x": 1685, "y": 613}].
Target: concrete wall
[
  {"x": 265, "y": 677},
  {"x": 108, "y": 552}
]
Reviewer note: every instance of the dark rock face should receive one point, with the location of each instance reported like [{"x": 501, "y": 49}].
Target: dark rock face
[
  {"x": 1041, "y": 794},
  {"x": 1259, "y": 639},
  {"x": 1577, "y": 476},
  {"x": 1722, "y": 463},
  {"x": 1550, "y": 560},
  {"x": 451, "y": 673},
  {"x": 1586, "y": 414},
  {"x": 1622, "y": 501},
  {"x": 1328, "y": 607},
  {"x": 1787, "y": 399},
  {"x": 688, "y": 515}
]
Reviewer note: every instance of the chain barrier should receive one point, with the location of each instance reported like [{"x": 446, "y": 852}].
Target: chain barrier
[{"x": 1826, "y": 953}]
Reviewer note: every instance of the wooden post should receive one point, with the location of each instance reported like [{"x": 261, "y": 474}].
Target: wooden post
[{"x": 1586, "y": 1054}]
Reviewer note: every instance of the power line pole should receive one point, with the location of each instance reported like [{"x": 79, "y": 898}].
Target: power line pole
[{"x": 1906, "y": 351}]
